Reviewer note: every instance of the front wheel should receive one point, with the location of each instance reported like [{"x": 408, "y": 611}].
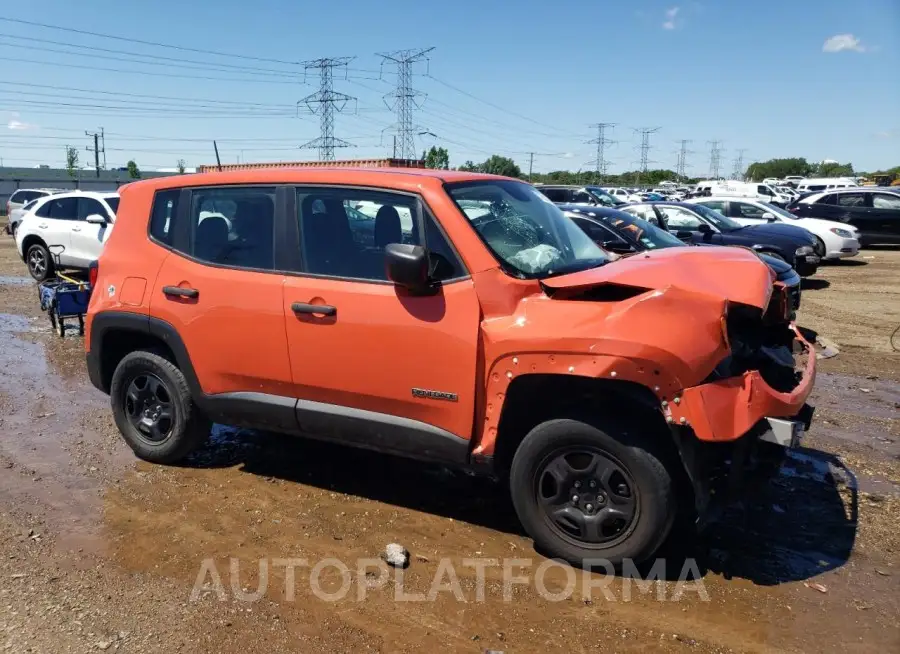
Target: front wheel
[
  {"x": 153, "y": 410},
  {"x": 39, "y": 264},
  {"x": 588, "y": 493}
]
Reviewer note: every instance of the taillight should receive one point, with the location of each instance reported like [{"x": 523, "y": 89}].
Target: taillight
[{"x": 93, "y": 272}]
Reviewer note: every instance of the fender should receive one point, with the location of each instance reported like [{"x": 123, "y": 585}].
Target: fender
[{"x": 645, "y": 373}]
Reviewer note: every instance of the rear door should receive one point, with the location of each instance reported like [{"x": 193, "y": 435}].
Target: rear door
[
  {"x": 54, "y": 220},
  {"x": 886, "y": 216},
  {"x": 372, "y": 363},
  {"x": 854, "y": 207},
  {"x": 220, "y": 289},
  {"x": 87, "y": 238}
]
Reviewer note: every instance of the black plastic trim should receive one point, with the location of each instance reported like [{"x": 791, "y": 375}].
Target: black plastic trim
[
  {"x": 348, "y": 425},
  {"x": 102, "y": 323},
  {"x": 380, "y": 431}
]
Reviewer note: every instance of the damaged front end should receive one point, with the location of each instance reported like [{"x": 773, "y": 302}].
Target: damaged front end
[{"x": 737, "y": 425}]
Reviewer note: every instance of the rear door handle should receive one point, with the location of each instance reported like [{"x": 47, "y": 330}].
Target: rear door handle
[
  {"x": 177, "y": 291},
  {"x": 44, "y": 226},
  {"x": 318, "y": 309},
  {"x": 76, "y": 229}
]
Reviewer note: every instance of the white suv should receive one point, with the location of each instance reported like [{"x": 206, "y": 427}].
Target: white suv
[
  {"x": 19, "y": 200},
  {"x": 70, "y": 226}
]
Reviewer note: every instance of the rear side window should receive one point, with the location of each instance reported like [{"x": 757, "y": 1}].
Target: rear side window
[
  {"x": 234, "y": 226},
  {"x": 162, "y": 216},
  {"x": 886, "y": 201},
  {"x": 827, "y": 199},
  {"x": 851, "y": 200},
  {"x": 556, "y": 194},
  {"x": 59, "y": 209},
  {"x": 25, "y": 196}
]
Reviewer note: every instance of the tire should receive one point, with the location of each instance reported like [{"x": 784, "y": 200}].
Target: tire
[
  {"x": 40, "y": 265},
  {"x": 186, "y": 428},
  {"x": 820, "y": 247},
  {"x": 641, "y": 464}
]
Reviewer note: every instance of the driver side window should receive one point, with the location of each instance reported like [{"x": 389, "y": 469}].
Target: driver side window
[{"x": 680, "y": 219}]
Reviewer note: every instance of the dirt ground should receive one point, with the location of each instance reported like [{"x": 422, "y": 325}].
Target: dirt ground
[{"x": 100, "y": 552}]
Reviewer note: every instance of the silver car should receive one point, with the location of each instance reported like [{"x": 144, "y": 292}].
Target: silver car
[{"x": 17, "y": 201}]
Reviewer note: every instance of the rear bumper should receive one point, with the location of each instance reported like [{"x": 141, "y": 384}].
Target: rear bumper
[{"x": 727, "y": 409}]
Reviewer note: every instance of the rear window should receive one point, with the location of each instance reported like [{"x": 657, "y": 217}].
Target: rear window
[{"x": 26, "y": 196}]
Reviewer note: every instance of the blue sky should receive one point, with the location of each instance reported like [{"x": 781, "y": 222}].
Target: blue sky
[{"x": 813, "y": 78}]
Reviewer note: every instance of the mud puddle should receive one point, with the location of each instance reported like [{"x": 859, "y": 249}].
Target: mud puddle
[
  {"x": 16, "y": 281},
  {"x": 42, "y": 433}
]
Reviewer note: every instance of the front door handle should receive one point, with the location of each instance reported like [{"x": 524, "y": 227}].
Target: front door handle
[
  {"x": 318, "y": 309},
  {"x": 177, "y": 291},
  {"x": 43, "y": 226},
  {"x": 76, "y": 229}
]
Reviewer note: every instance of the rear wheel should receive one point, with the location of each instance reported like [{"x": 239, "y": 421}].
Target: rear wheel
[
  {"x": 594, "y": 492},
  {"x": 153, "y": 409},
  {"x": 39, "y": 264}
]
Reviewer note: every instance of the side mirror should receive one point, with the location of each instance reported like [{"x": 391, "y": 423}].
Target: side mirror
[
  {"x": 619, "y": 247},
  {"x": 407, "y": 266},
  {"x": 684, "y": 234},
  {"x": 96, "y": 219},
  {"x": 705, "y": 229},
  {"x": 769, "y": 216}
]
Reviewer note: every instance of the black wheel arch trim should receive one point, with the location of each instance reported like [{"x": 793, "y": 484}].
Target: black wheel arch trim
[{"x": 336, "y": 423}]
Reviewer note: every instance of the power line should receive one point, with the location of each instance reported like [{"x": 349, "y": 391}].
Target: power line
[
  {"x": 147, "y": 72},
  {"x": 601, "y": 142},
  {"x": 405, "y": 97},
  {"x": 715, "y": 158},
  {"x": 683, "y": 152},
  {"x": 738, "y": 171},
  {"x": 163, "y": 60},
  {"x": 645, "y": 133},
  {"x": 325, "y": 102},
  {"x": 151, "y": 43},
  {"x": 487, "y": 102}
]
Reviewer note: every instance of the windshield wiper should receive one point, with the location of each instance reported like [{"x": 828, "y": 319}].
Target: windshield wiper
[{"x": 578, "y": 266}]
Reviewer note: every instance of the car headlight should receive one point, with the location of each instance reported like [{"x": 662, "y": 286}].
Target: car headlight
[
  {"x": 806, "y": 249},
  {"x": 843, "y": 233}
]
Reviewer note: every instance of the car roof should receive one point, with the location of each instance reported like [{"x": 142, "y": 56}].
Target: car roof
[
  {"x": 80, "y": 194},
  {"x": 589, "y": 212},
  {"x": 398, "y": 178}
]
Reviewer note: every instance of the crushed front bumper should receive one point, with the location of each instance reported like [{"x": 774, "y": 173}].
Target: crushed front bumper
[{"x": 726, "y": 409}]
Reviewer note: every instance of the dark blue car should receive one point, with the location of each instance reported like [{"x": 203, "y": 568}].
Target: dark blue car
[{"x": 694, "y": 223}]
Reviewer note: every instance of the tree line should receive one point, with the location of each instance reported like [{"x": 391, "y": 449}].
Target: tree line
[{"x": 756, "y": 172}]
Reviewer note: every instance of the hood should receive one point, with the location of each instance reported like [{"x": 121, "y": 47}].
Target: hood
[
  {"x": 780, "y": 230},
  {"x": 780, "y": 266},
  {"x": 734, "y": 274}
]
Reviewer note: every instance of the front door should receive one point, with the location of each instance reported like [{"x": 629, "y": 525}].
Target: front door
[
  {"x": 54, "y": 220},
  {"x": 219, "y": 289},
  {"x": 370, "y": 362},
  {"x": 86, "y": 238}
]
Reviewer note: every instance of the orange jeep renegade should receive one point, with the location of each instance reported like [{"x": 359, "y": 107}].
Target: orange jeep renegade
[{"x": 452, "y": 317}]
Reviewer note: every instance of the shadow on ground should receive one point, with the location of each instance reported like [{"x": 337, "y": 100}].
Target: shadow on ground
[
  {"x": 792, "y": 528},
  {"x": 808, "y": 284}
]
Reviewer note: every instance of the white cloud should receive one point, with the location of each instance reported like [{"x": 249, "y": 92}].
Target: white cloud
[
  {"x": 569, "y": 155},
  {"x": 17, "y": 125},
  {"x": 671, "y": 15},
  {"x": 843, "y": 42},
  {"x": 886, "y": 134}
]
